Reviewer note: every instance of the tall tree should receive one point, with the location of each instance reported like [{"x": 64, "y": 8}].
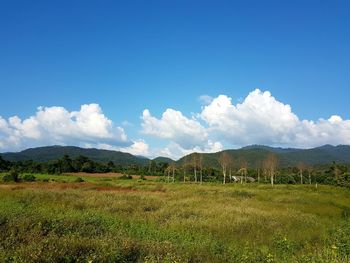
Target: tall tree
[
  {"x": 195, "y": 157},
  {"x": 200, "y": 163},
  {"x": 301, "y": 168},
  {"x": 224, "y": 161},
  {"x": 271, "y": 166}
]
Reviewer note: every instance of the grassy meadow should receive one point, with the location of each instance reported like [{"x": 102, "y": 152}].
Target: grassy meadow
[{"x": 106, "y": 219}]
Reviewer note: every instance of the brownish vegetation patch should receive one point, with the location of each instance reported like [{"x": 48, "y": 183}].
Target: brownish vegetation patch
[{"x": 109, "y": 175}]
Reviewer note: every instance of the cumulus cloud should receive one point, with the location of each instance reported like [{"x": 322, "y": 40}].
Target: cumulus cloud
[
  {"x": 56, "y": 125},
  {"x": 138, "y": 147},
  {"x": 173, "y": 125},
  {"x": 205, "y": 99},
  {"x": 175, "y": 151},
  {"x": 259, "y": 119}
]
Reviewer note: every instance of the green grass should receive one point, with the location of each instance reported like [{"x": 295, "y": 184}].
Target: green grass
[{"x": 131, "y": 221}]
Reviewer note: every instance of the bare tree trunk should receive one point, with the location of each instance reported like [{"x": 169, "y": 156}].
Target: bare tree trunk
[
  {"x": 173, "y": 175},
  {"x": 224, "y": 173},
  {"x": 201, "y": 176},
  {"x": 271, "y": 177},
  {"x": 258, "y": 175},
  {"x": 195, "y": 174},
  {"x": 315, "y": 182},
  {"x": 301, "y": 177},
  {"x": 309, "y": 177},
  {"x": 168, "y": 176}
]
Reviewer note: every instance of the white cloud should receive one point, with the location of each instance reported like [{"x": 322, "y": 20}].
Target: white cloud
[
  {"x": 205, "y": 99},
  {"x": 176, "y": 127},
  {"x": 138, "y": 147},
  {"x": 261, "y": 119},
  {"x": 56, "y": 125},
  {"x": 175, "y": 151},
  {"x": 258, "y": 119}
]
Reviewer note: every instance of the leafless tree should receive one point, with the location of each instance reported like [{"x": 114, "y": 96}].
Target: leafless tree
[
  {"x": 224, "y": 160},
  {"x": 200, "y": 163},
  {"x": 271, "y": 166},
  {"x": 195, "y": 159},
  {"x": 309, "y": 171},
  {"x": 301, "y": 168},
  {"x": 258, "y": 169},
  {"x": 184, "y": 167},
  {"x": 243, "y": 169}
]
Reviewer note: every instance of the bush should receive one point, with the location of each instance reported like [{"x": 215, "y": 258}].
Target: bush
[
  {"x": 12, "y": 176},
  {"x": 28, "y": 178},
  {"x": 125, "y": 177},
  {"x": 285, "y": 179},
  {"x": 79, "y": 180}
]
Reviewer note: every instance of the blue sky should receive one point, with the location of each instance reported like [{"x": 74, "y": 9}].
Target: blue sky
[{"x": 128, "y": 56}]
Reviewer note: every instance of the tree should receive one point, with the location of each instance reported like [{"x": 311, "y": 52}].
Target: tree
[
  {"x": 201, "y": 167},
  {"x": 224, "y": 161},
  {"x": 194, "y": 163},
  {"x": 67, "y": 164},
  {"x": 271, "y": 165},
  {"x": 111, "y": 166},
  {"x": 184, "y": 167},
  {"x": 243, "y": 170},
  {"x": 152, "y": 166},
  {"x": 309, "y": 171},
  {"x": 258, "y": 169},
  {"x": 3, "y": 165},
  {"x": 301, "y": 168}
]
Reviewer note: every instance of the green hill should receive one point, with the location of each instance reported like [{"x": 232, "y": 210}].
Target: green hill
[
  {"x": 44, "y": 154},
  {"x": 161, "y": 159},
  {"x": 254, "y": 155}
]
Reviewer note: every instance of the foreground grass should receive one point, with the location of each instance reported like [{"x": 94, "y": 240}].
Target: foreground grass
[{"x": 131, "y": 221}]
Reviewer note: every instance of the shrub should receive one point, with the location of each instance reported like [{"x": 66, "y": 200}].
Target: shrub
[
  {"x": 12, "y": 176},
  {"x": 125, "y": 177},
  {"x": 28, "y": 178},
  {"x": 285, "y": 179},
  {"x": 79, "y": 180}
]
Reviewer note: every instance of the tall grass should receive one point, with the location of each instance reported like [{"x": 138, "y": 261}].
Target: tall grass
[{"x": 131, "y": 221}]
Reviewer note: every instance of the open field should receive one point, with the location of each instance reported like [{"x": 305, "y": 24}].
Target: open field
[{"x": 108, "y": 219}]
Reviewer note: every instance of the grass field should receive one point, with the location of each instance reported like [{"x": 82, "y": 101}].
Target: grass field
[{"x": 107, "y": 219}]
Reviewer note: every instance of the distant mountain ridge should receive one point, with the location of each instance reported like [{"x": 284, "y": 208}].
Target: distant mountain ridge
[{"x": 253, "y": 155}]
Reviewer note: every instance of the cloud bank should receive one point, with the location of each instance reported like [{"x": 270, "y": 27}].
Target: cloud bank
[
  {"x": 56, "y": 125},
  {"x": 259, "y": 119}
]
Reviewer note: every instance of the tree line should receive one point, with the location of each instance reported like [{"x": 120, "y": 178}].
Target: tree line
[{"x": 193, "y": 169}]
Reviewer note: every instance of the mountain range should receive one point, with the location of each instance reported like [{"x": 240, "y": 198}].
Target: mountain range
[{"x": 253, "y": 155}]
